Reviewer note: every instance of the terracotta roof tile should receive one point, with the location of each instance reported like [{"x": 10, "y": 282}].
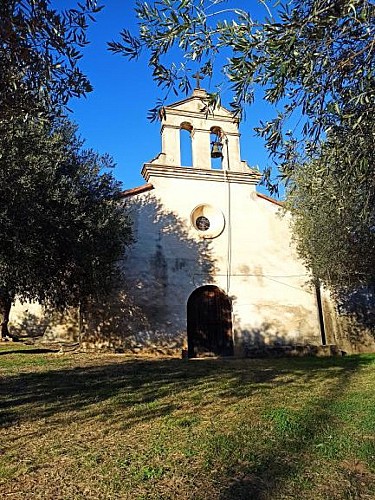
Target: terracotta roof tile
[
  {"x": 137, "y": 190},
  {"x": 272, "y": 200}
]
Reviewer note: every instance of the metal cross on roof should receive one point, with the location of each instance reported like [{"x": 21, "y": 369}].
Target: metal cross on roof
[{"x": 198, "y": 77}]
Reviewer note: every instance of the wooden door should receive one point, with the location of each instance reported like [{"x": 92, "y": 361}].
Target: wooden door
[{"x": 209, "y": 322}]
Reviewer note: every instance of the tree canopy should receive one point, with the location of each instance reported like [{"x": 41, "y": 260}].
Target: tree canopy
[
  {"x": 314, "y": 61},
  {"x": 62, "y": 226},
  {"x": 333, "y": 212},
  {"x": 39, "y": 54}
]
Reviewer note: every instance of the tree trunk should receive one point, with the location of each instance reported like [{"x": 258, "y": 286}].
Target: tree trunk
[{"x": 5, "y": 306}]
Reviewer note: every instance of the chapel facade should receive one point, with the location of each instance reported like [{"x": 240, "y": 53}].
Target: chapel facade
[{"x": 213, "y": 269}]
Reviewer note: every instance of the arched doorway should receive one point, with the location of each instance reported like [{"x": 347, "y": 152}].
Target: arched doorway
[{"x": 209, "y": 322}]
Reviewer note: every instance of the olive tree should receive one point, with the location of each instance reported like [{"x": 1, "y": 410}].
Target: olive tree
[
  {"x": 39, "y": 54},
  {"x": 62, "y": 227}
]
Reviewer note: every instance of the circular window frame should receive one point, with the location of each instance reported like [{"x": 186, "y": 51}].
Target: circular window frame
[{"x": 215, "y": 217}]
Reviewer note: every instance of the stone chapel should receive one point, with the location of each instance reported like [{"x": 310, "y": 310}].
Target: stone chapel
[{"x": 212, "y": 270}]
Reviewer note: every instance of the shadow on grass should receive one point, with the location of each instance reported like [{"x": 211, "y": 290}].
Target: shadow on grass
[
  {"x": 136, "y": 381},
  {"x": 129, "y": 392},
  {"x": 297, "y": 435},
  {"x": 136, "y": 386},
  {"x": 28, "y": 351}
]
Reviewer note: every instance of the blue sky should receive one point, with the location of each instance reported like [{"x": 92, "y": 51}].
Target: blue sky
[{"x": 113, "y": 118}]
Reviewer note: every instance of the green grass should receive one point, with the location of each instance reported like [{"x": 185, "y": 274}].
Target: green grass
[{"x": 110, "y": 426}]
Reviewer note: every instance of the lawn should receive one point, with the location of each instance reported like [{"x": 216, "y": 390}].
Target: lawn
[{"x": 116, "y": 427}]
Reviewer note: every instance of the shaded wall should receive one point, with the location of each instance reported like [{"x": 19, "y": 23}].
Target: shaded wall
[
  {"x": 350, "y": 323},
  {"x": 251, "y": 261},
  {"x": 33, "y": 320},
  {"x": 163, "y": 266}
]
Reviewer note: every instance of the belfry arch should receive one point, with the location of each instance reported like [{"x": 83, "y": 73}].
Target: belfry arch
[
  {"x": 186, "y": 146},
  {"x": 217, "y": 147}
]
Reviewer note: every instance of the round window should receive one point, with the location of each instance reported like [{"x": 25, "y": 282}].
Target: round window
[
  {"x": 202, "y": 223},
  {"x": 208, "y": 221}
]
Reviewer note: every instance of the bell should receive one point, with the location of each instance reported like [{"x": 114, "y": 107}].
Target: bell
[{"x": 217, "y": 149}]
